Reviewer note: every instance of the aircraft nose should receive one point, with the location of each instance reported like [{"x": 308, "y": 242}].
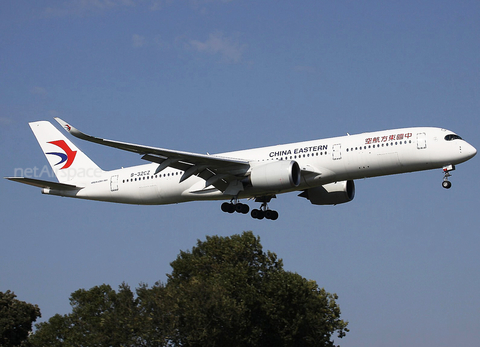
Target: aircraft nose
[{"x": 469, "y": 151}]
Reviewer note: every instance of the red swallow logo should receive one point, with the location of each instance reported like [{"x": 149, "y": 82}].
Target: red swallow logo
[{"x": 68, "y": 157}]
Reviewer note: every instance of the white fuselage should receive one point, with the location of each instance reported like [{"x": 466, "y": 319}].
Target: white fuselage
[{"x": 321, "y": 161}]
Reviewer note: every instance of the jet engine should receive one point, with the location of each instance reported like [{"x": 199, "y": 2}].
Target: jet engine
[
  {"x": 331, "y": 194},
  {"x": 276, "y": 176}
]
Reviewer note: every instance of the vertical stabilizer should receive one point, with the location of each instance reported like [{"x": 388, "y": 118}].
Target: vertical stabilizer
[{"x": 69, "y": 164}]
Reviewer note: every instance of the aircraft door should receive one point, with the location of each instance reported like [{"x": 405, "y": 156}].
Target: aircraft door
[
  {"x": 421, "y": 140},
  {"x": 114, "y": 183},
  {"x": 337, "y": 151}
]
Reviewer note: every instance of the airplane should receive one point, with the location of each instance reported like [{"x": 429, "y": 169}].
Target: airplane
[{"x": 323, "y": 170}]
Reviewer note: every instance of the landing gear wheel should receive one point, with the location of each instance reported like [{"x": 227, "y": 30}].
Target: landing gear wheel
[
  {"x": 446, "y": 170},
  {"x": 270, "y": 214},
  {"x": 264, "y": 211},
  {"x": 228, "y": 207},
  {"x": 242, "y": 208},
  {"x": 257, "y": 214},
  {"x": 238, "y": 208}
]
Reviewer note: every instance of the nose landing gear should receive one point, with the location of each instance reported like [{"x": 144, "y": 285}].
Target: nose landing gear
[{"x": 446, "y": 183}]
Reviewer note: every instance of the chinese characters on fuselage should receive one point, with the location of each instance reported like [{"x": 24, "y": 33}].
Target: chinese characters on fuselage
[{"x": 379, "y": 139}]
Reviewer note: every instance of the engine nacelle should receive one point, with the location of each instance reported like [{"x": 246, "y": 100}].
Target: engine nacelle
[
  {"x": 331, "y": 194},
  {"x": 276, "y": 176}
]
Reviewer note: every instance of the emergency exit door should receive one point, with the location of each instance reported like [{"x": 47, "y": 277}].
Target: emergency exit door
[
  {"x": 114, "y": 183},
  {"x": 421, "y": 140},
  {"x": 337, "y": 151}
]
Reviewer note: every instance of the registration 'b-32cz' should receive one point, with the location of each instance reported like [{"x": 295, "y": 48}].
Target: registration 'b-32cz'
[{"x": 322, "y": 170}]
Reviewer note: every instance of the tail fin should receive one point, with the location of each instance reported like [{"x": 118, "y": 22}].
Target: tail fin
[{"x": 69, "y": 164}]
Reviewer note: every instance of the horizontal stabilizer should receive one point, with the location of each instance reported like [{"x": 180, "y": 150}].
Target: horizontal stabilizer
[{"x": 44, "y": 184}]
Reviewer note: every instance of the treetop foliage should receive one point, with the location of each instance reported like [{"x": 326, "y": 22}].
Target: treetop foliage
[
  {"x": 225, "y": 291},
  {"x": 16, "y": 319}
]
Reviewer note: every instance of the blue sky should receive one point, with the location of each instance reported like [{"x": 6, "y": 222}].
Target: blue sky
[{"x": 213, "y": 76}]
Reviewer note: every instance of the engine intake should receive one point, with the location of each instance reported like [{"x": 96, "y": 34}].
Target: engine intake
[
  {"x": 276, "y": 176},
  {"x": 331, "y": 194}
]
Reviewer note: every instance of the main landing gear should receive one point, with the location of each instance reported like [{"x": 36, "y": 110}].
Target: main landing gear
[
  {"x": 263, "y": 212},
  {"x": 231, "y": 207},
  {"x": 446, "y": 183}
]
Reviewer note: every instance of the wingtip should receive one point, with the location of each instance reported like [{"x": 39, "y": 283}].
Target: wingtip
[
  {"x": 71, "y": 129},
  {"x": 64, "y": 124}
]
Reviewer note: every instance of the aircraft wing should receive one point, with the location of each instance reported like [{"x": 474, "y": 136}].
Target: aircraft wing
[{"x": 215, "y": 170}]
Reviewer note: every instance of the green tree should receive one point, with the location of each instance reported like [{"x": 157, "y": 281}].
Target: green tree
[
  {"x": 16, "y": 318},
  {"x": 100, "y": 317},
  {"x": 226, "y": 291}
]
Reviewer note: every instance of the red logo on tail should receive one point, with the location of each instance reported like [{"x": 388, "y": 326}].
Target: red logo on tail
[{"x": 68, "y": 157}]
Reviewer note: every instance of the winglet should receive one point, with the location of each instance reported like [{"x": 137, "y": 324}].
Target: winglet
[{"x": 75, "y": 132}]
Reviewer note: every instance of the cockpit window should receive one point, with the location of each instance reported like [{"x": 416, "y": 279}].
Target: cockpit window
[{"x": 451, "y": 137}]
